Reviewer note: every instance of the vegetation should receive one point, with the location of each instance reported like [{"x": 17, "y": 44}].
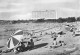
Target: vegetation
[{"x": 59, "y": 20}]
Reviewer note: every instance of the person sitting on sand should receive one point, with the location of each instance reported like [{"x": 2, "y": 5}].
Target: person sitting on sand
[
  {"x": 54, "y": 42},
  {"x": 61, "y": 43}
]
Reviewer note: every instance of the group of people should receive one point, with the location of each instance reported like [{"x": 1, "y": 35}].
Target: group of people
[{"x": 56, "y": 42}]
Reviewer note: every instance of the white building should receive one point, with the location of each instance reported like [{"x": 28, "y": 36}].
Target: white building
[{"x": 47, "y": 14}]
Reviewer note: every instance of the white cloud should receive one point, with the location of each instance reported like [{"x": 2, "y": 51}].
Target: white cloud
[
  {"x": 68, "y": 12},
  {"x": 55, "y": 1},
  {"x": 21, "y": 16}
]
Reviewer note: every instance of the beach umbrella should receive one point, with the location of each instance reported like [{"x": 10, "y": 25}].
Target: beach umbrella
[
  {"x": 19, "y": 32},
  {"x": 12, "y": 43},
  {"x": 15, "y": 39}
]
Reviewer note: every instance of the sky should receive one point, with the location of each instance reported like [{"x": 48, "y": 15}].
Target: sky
[{"x": 21, "y": 9}]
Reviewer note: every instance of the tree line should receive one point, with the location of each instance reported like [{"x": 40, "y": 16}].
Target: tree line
[{"x": 59, "y": 20}]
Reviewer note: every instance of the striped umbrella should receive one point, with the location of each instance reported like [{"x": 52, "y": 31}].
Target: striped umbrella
[
  {"x": 15, "y": 40},
  {"x": 18, "y": 32}
]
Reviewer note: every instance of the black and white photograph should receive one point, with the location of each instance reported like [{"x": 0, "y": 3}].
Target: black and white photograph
[{"x": 39, "y": 27}]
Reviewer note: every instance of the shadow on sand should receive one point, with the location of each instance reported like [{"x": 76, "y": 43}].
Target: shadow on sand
[
  {"x": 27, "y": 48},
  {"x": 1, "y": 46},
  {"x": 40, "y": 45},
  {"x": 35, "y": 47}
]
